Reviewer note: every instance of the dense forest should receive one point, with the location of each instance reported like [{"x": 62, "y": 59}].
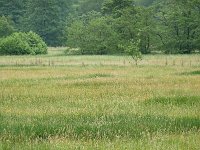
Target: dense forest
[{"x": 106, "y": 26}]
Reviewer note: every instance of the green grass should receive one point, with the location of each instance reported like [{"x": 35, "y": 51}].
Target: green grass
[
  {"x": 176, "y": 101},
  {"x": 99, "y": 102},
  {"x": 195, "y": 73}
]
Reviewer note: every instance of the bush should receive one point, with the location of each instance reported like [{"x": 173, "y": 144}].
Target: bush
[
  {"x": 133, "y": 50},
  {"x": 38, "y": 46},
  {"x": 22, "y": 44},
  {"x": 15, "y": 44}
]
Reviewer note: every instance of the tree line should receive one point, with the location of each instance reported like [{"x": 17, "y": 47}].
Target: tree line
[{"x": 107, "y": 26}]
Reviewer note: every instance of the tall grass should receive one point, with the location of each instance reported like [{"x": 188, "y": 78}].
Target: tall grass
[{"x": 105, "y": 106}]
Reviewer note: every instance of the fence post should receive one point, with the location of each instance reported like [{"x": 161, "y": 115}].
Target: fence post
[{"x": 166, "y": 62}]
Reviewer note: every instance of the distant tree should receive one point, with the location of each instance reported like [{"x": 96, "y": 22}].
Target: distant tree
[
  {"x": 77, "y": 33},
  {"x": 102, "y": 39},
  {"x": 178, "y": 25},
  {"x": 87, "y": 17},
  {"x": 171, "y": 26},
  {"x": 85, "y": 6},
  {"x": 124, "y": 15},
  {"x": 76, "y": 36},
  {"x": 132, "y": 49},
  {"x": 6, "y": 27},
  {"x": 116, "y": 7},
  {"x": 145, "y": 2},
  {"x": 96, "y": 37},
  {"x": 13, "y": 9},
  {"x": 48, "y": 19},
  {"x": 145, "y": 26}
]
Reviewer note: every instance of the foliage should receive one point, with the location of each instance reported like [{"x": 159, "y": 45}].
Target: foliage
[
  {"x": 22, "y": 44},
  {"x": 47, "y": 18},
  {"x": 13, "y": 9},
  {"x": 38, "y": 46},
  {"x": 145, "y": 2},
  {"x": 178, "y": 25},
  {"x": 15, "y": 44},
  {"x": 101, "y": 34},
  {"x": 170, "y": 26},
  {"x": 5, "y": 27},
  {"x": 85, "y": 6},
  {"x": 114, "y": 7},
  {"x": 145, "y": 27},
  {"x": 96, "y": 37},
  {"x": 133, "y": 50}
]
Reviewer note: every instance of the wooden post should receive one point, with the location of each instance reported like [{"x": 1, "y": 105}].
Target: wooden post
[
  {"x": 124, "y": 62},
  {"x": 166, "y": 62},
  {"x": 83, "y": 65}
]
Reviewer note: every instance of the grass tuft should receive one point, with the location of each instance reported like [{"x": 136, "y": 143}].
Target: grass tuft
[
  {"x": 176, "y": 101},
  {"x": 197, "y": 72},
  {"x": 93, "y": 127}
]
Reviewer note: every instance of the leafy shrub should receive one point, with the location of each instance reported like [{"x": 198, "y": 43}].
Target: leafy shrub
[
  {"x": 22, "y": 44},
  {"x": 132, "y": 49},
  {"x": 36, "y": 43},
  {"x": 15, "y": 44}
]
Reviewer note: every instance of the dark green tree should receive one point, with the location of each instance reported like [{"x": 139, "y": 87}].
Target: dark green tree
[
  {"x": 85, "y": 6},
  {"x": 145, "y": 26},
  {"x": 124, "y": 14},
  {"x": 178, "y": 25},
  {"x": 144, "y": 2},
  {"x": 116, "y": 7},
  {"x": 48, "y": 19},
  {"x": 13, "y": 9},
  {"x": 95, "y": 37},
  {"x": 6, "y": 27}
]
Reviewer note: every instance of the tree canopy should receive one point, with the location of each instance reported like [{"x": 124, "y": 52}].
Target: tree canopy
[{"x": 101, "y": 26}]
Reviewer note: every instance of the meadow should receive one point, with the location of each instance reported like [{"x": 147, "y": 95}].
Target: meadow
[{"x": 99, "y": 102}]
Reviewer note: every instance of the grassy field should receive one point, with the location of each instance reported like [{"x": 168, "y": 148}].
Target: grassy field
[{"x": 99, "y": 102}]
